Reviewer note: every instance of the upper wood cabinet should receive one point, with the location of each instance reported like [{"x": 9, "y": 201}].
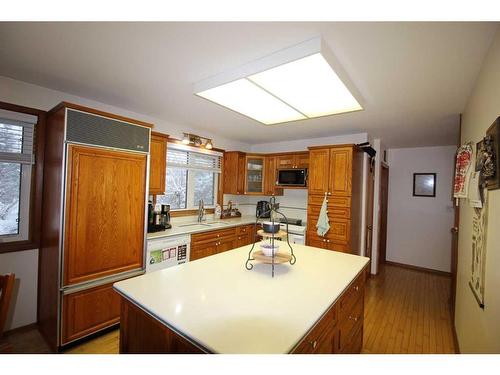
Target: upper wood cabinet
[
  {"x": 270, "y": 177},
  {"x": 330, "y": 171},
  {"x": 340, "y": 171},
  {"x": 158, "y": 163},
  {"x": 254, "y": 175},
  {"x": 234, "y": 172},
  {"x": 104, "y": 226},
  {"x": 292, "y": 160},
  {"x": 319, "y": 169}
]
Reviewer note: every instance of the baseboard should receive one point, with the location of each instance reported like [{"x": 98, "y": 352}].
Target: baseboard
[
  {"x": 417, "y": 268},
  {"x": 25, "y": 328}
]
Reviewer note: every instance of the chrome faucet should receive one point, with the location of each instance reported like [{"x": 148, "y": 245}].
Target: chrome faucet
[{"x": 201, "y": 211}]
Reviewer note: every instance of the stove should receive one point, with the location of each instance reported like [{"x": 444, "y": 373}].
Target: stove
[{"x": 296, "y": 230}]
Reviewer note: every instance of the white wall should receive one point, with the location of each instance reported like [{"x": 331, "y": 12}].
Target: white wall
[
  {"x": 418, "y": 228},
  {"x": 25, "y": 263},
  {"x": 478, "y": 330}
]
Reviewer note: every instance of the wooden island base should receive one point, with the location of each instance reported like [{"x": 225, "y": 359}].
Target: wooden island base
[{"x": 340, "y": 330}]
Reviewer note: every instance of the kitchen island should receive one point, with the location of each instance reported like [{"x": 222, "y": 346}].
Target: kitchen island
[{"x": 215, "y": 305}]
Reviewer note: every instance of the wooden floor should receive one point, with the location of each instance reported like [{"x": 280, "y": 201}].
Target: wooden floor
[{"x": 406, "y": 311}]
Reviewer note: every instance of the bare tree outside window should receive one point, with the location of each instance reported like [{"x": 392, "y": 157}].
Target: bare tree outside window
[
  {"x": 204, "y": 187},
  {"x": 10, "y": 190},
  {"x": 176, "y": 183}
]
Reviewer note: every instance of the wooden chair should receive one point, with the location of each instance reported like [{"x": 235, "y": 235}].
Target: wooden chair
[{"x": 6, "y": 286}]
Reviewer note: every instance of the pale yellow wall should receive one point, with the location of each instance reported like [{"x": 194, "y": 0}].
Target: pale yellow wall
[{"x": 478, "y": 330}]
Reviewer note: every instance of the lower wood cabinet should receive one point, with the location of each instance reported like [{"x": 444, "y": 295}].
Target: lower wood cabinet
[
  {"x": 89, "y": 311},
  {"x": 217, "y": 241},
  {"x": 341, "y": 328}
]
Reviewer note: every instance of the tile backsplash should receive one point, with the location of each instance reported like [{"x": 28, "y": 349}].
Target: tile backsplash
[{"x": 293, "y": 203}]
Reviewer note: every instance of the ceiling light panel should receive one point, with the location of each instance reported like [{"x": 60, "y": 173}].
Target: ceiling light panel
[
  {"x": 248, "y": 99},
  {"x": 309, "y": 85}
]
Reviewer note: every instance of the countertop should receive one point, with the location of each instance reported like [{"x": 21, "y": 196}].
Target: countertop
[
  {"x": 220, "y": 305},
  {"x": 210, "y": 223}
]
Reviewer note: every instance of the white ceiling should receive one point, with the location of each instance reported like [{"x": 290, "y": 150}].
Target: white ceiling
[{"x": 414, "y": 78}]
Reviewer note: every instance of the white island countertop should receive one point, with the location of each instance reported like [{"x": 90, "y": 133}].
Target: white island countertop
[{"x": 218, "y": 304}]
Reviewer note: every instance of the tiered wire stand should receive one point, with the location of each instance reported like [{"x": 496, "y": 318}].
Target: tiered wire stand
[{"x": 277, "y": 256}]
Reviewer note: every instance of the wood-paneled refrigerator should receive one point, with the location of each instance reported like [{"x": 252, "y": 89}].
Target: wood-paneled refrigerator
[{"x": 94, "y": 219}]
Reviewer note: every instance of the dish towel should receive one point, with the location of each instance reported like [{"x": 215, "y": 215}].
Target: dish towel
[{"x": 323, "y": 224}]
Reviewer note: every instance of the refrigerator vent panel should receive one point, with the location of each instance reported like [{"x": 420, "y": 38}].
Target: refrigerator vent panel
[{"x": 100, "y": 131}]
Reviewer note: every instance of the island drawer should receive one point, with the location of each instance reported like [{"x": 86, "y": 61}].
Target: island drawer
[
  {"x": 350, "y": 324},
  {"x": 213, "y": 235},
  {"x": 321, "y": 339},
  {"x": 354, "y": 292}
]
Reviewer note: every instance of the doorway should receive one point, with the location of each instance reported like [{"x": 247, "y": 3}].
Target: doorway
[{"x": 384, "y": 197}]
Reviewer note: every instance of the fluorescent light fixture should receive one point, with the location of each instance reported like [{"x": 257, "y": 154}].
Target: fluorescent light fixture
[
  {"x": 248, "y": 99},
  {"x": 301, "y": 82}
]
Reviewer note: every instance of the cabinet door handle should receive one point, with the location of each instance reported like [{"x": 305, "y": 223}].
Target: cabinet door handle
[
  {"x": 218, "y": 235},
  {"x": 314, "y": 343},
  {"x": 354, "y": 318},
  {"x": 356, "y": 288}
]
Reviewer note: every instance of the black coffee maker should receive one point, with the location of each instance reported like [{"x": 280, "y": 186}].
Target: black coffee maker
[
  {"x": 263, "y": 209},
  {"x": 158, "y": 220}
]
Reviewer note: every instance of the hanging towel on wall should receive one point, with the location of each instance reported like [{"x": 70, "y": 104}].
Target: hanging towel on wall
[{"x": 323, "y": 224}]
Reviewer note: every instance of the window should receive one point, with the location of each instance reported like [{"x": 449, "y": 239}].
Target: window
[
  {"x": 192, "y": 175},
  {"x": 16, "y": 163}
]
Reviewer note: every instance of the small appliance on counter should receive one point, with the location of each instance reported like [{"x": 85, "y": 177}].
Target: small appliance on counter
[
  {"x": 158, "y": 217},
  {"x": 263, "y": 209}
]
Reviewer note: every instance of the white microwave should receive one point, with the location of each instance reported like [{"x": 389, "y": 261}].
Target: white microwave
[{"x": 292, "y": 177}]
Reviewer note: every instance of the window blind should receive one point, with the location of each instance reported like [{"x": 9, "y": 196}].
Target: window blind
[
  {"x": 185, "y": 158},
  {"x": 16, "y": 141}
]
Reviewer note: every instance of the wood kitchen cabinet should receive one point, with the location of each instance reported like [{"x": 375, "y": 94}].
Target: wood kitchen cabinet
[
  {"x": 292, "y": 160},
  {"x": 254, "y": 175},
  {"x": 335, "y": 172},
  {"x": 217, "y": 241},
  {"x": 234, "y": 172},
  {"x": 270, "y": 177},
  {"x": 158, "y": 163}
]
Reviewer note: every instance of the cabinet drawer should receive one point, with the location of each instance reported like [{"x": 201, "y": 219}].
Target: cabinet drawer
[
  {"x": 332, "y": 211},
  {"x": 339, "y": 232},
  {"x": 321, "y": 339},
  {"x": 354, "y": 292},
  {"x": 350, "y": 324},
  {"x": 212, "y": 235},
  {"x": 333, "y": 200},
  {"x": 89, "y": 311},
  {"x": 355, "y": 344},
  {"x": 245, "y": 229}
]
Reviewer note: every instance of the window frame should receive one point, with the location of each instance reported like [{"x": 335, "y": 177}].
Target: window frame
[
  {"x": 35, "y": 196},
  {"x": 218, "y": 190}
]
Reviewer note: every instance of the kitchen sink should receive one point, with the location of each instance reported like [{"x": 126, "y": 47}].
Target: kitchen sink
[
  {"x": 217, "y": 223},
  {"x": 194, "y": 224}
]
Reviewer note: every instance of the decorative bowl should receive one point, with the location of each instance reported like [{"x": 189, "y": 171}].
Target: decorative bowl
[
  {"x": 268, "y": 249},
  {"x": 269, "y": 227}
]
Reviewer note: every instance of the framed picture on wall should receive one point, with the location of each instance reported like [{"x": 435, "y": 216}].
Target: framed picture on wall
[{"x": 424, "y": 184}]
